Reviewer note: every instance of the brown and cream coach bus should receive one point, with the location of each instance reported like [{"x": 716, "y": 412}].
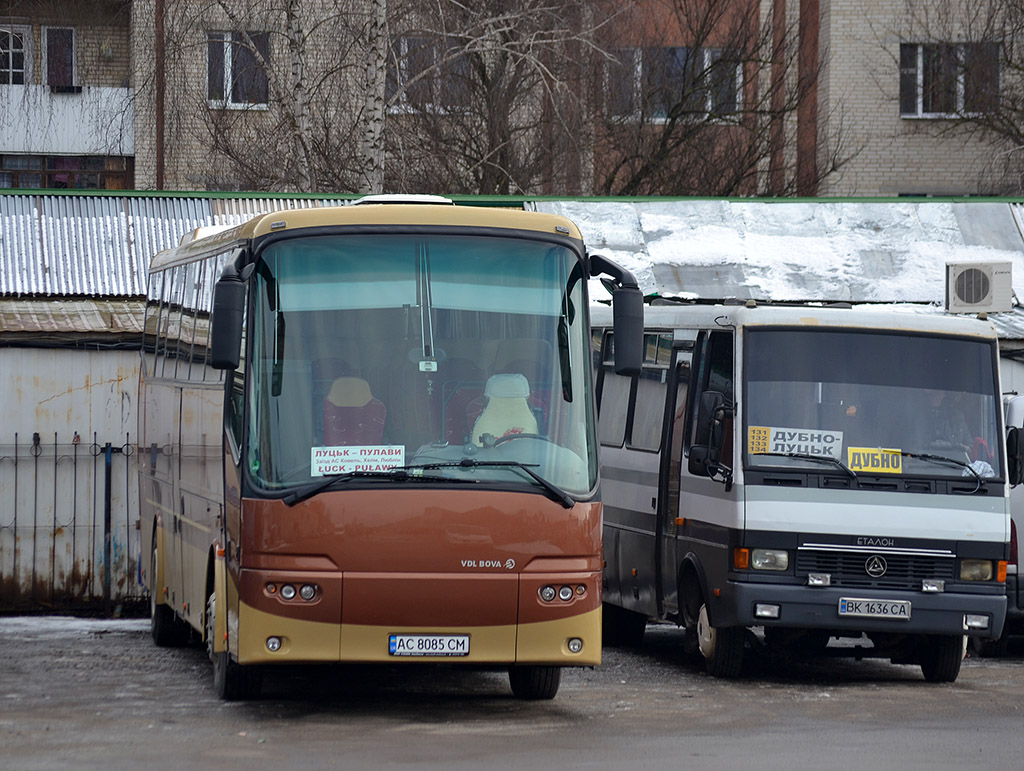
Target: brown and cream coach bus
[{"x": 368, "y": 435}]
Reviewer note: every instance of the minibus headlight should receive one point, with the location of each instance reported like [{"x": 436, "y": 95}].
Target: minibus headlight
[
  {"x": 976, "y": 570},
  {"x": 547, "y": 593},
  {"x": 769, "y": 559}
]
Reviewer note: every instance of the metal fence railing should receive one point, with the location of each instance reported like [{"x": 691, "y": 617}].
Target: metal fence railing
[{"x": 69, "y": 534}]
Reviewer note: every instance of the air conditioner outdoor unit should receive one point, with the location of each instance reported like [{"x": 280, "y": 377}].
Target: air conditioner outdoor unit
[{"x": 973, "y": 287}]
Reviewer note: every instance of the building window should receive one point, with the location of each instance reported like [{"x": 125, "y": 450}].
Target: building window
[
  {"x": 72, "y": 172},
  {"x": 662, "y": 83},
  {"x": 60, "y": 57},
  {"x": 427, "y": 74},
  {"x": 15, "y": 55},
  {"x": 941, "y": 80},
  {"x": 236, "y": 69}
]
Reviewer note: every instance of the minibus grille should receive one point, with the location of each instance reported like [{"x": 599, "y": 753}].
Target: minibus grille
[{"x": 849, "y": 568}]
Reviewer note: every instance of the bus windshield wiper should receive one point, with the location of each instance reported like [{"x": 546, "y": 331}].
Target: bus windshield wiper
[
  {"x": 949, "y": 461},
  {"x": 818, "y": 458},
  {"x": 554, "y": 491},
  {"x": 397, "y": 474}
]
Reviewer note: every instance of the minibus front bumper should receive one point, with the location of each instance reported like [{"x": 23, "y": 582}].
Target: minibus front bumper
[{"x": 855, "y": 610}]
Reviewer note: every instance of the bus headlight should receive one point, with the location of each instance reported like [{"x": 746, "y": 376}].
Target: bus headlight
[
  {"x": 769, "y": 559},
  {"x": 976, "y": 570}
]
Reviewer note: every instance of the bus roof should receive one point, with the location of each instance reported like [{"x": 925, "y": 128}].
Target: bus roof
[
  {"x": 901, "y": 318},
  {"x": 402, "y": 215}
]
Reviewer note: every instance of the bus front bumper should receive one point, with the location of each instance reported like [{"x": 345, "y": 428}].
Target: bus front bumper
[{"x": 803, "y": 607}]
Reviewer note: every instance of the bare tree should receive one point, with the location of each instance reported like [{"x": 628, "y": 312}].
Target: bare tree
[
  {"x": 485, "y": 97},
  {"x": 703, "y": 97}
]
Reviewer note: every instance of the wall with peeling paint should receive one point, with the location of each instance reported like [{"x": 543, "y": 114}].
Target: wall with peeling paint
[{"x": 61, "y": 409}]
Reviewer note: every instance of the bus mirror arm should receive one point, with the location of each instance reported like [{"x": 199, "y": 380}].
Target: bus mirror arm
[
  {"x": 226, "y": 321},
  {"x": 627, "y": 313},
  {"x": 1014, "y": 456}
]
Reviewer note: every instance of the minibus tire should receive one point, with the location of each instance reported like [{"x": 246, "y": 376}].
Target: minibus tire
[
  {"x": 167, "y": 629},
  {"x": 534, "y": 682},
  {"x": 941, "y": 656},
  {"x": 231, "y": 681},
  {"x": 722, "y": 647}
]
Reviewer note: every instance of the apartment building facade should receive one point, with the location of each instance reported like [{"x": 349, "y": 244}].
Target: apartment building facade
[
  {"x": 66, "y": 96},
  {"x": 218, "y": 95}
]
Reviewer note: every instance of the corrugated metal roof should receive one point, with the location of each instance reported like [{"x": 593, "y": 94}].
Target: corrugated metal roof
[{"x": 100, "y": 246}]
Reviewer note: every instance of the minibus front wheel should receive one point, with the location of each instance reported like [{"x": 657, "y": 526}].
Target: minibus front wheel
[{"x": 722, "y": 647}]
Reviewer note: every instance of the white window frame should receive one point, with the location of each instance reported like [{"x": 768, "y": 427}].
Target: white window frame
[
  {"x": 45, "y": 57},
  {"x": 228, "y": 48},
  {"x": 26, "y": 35},
  {"x": 960, "y": 78},
  {"x": 638, "y": 90}
]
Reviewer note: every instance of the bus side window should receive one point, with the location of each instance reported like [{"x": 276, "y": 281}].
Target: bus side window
[{"x": 613, "y": 405}]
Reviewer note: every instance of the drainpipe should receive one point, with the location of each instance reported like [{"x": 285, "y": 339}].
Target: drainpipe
[{"x": 160, "y": 53}]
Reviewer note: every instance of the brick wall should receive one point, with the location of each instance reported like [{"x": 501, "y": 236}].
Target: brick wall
[{"x": 894, "y": 155}]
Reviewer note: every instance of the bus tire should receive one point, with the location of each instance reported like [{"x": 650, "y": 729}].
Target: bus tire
[
  {"x": 535, "y": 682},
  {"x": 167, "y": 629},
  {"x": 722, "y": 647},
  {"x": 231, "y": 681},
  {"x": 940, "y": 657}
]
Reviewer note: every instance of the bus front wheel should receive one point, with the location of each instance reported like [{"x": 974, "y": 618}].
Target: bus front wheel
[
  {"x": 231, "y": 681},
  {"x": 941, "y": 657},
  {"x": 722, "y": 647},
  {"x": 535, "y": 682}
]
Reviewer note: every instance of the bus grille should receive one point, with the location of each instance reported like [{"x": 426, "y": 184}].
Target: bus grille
[{"x": 849, "y": 569}]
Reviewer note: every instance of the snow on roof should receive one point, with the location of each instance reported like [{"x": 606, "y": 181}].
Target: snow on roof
[{"x": 843, "y": 251}]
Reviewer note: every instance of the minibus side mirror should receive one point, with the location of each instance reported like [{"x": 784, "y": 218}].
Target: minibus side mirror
[
  {"x": 229, "y": 296},
  {"x": 709, "y": 435},
  {"x": 1014, "y": 459}
]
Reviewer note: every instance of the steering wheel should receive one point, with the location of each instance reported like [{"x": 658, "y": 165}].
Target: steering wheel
[{"x": 510, "y": 437}]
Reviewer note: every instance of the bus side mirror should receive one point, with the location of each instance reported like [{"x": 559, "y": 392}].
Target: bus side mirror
[
  {"x": 628, "y": 320},
  {"x": 1014, "y": 456},
  {"x": 226, "y": 321},
  {"x": 627, "y": 313},
  {"x": 709, "y": 435}
]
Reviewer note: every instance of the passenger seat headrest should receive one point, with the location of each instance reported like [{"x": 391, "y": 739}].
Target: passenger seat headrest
[{"x": 507, "y": 386}]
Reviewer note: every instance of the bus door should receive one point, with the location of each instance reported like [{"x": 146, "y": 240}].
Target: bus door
[{"x": 668, "y": 492}]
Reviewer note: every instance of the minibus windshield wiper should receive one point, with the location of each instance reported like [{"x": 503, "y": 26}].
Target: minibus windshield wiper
[
  {"x": 818, "y": 458},
  {"x": 556, "y": 492},
  {"x": 949, "y": 461},
  {"x": 397, "y": 474}
]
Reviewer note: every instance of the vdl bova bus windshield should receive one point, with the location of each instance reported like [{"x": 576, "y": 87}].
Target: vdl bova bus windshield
[
  {"x": 872, "y": 403},
  {"x": 454, "y": 359}
]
